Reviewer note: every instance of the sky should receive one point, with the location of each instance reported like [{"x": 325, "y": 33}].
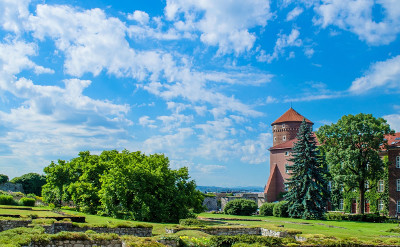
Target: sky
[{"x": 198, "y": 80}]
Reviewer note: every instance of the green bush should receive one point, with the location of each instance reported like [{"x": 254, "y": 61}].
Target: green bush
[
  {"x": 227, "y": 241},
  {"x": 240, "y": 207},
  {"x": 281, "y": 209},
  {"x": 336, "y": 216},
  {"x": 267, "y": 209},
  {"x": 26, "y": 201},
  {"x": 191, "y": 222},
  {"x": 7, "y": 200}
]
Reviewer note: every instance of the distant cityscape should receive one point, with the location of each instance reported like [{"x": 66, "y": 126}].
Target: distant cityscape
[{"x": 239, "y": 189}]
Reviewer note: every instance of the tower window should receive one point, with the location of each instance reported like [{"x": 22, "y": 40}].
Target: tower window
[
  {"x": 274, "y": 138},
  {"x": 398, "y": 162},
  {"x": 287, "y": 153},
  {"x": 287, "y": 168},
  {"x": 398, "y": 207},
  {"x": 283, "y": 126},
  {"x": 284, "y": 138},
  {"x": 274, "y": 127}
]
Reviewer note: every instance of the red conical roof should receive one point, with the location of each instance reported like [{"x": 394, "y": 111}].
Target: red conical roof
[{"x": 291, "y": 116}]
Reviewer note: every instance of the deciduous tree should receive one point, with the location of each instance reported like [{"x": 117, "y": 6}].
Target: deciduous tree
[{"x": 352, "y": 148}]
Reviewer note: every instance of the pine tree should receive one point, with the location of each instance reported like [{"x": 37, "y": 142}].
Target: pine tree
[{"x": 307, "y": 188}]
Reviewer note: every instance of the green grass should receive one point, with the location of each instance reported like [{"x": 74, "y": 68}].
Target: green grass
[
  {"x": 16, "y": 210},
  {"x": 339, "y": 229},
  {"x": 361, "y": 230},
  {"x": 158, "y": 228}
]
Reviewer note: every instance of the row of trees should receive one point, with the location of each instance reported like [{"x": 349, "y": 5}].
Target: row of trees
[
  {"x": 348, "y": 155},
  {"x": 125, "y": 184},
  {"x": 31, "y": 182}
]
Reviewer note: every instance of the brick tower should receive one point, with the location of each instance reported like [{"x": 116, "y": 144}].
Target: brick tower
[{"x": 284, "y": 130}]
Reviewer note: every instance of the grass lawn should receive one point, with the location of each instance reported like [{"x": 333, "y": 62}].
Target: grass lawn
[
  {"x": 39, "y": 211},
  {"x": 158, "y": 228},
  {"x": 341, "y": 229}
]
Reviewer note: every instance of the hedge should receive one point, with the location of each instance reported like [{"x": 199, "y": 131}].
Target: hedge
[{"x": 267, "y": 209}]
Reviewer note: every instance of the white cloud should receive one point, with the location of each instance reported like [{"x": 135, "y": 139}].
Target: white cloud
[
  {"x": 13, "y": 14},
  {"x": 254, "y": 151},
  {"x": 222, "y": 23},
  {"x": 146, "y": 121},
  {"x": 309, "y": 52},
  {"x": 356, "y": 16},
  {"x": 394, "y": 121},
  {"x": 294, "y": 13},
  {"x": 283, "y": 41},
  {"x": 380, "y": 74},
  {"x": 271, "y": 100},
  {"x": 210, "y": 168},
  {"x": 139, "y": 16}
]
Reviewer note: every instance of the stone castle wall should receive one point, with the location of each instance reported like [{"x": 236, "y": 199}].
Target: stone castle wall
[{"x": 12, "y": 187}]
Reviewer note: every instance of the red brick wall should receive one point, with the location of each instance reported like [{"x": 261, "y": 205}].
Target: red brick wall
[
  {"x": 394, "y": 174},
  {"x": 290, "y": 131}
]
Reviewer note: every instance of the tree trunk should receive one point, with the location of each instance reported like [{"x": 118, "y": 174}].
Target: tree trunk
[{"x": 360, "y": 206}]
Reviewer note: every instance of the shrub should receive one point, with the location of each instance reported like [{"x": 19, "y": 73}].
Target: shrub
[
  {"x": 336, "y": 216},
  {"x": 7, "y": 200},
  {"x": 267, "y": 209},
  {"x": 227, "y": 241},
  {"x": 240, "y": 207},
  {"x": 281, "y": 209},
  {"x": 26, "y": 201},
  {"x": 191, "y": 222}
]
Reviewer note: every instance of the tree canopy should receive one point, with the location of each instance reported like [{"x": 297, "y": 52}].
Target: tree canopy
[
  {"x": 3, "y": 178},
  {"x": 307, "y": 188},
  {"x": 31, "y": 183},
  {"x": 124, "y": 184},
  {"x": 351, "y": 148}
]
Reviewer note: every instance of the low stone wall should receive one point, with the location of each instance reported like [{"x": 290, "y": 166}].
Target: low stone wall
[
  {"x": 69, "y": 227},
  {"x": 79, "y": 243},
  {"x": 271, "y": 233},
  {"x": 236, "y": 231},
  {"x": 10, "y": 224},
  {"x": 220, "y": 230}
]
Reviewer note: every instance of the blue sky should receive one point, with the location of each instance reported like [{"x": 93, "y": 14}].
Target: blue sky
[{"x": 200, "y": 81}]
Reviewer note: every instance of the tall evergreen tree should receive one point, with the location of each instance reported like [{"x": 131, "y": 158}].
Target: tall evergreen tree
[{"x": 307, "y": 188}]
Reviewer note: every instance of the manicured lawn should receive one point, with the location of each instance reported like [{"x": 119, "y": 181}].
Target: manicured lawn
[
  {"x": 341, "y": 229},
  {"x": 158, "y": 228},
  {"x": 17, "y": 210}
]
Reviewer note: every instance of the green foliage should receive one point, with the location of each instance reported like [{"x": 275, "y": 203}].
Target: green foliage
[
  {"x": 7, "y": 200},
  {"x": 240, "y": 207},
  {"x": 31, "y": 182},
  {"x": 131, "y": 241},
  {"x": 127, "y": 185},
  {"x": 267, "y": 209},
  {"x": 191, "y": 222},
  {"x": 3, "y": 178},
  {"x": 307, "y": 187},
  {"x": 281, "y": 209},
  {"x": 227, "y": 241},
  {"x": 351, "y": 147},
  {"x": 26, "y": 201},
  {"x": 356, "y": 217}
]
